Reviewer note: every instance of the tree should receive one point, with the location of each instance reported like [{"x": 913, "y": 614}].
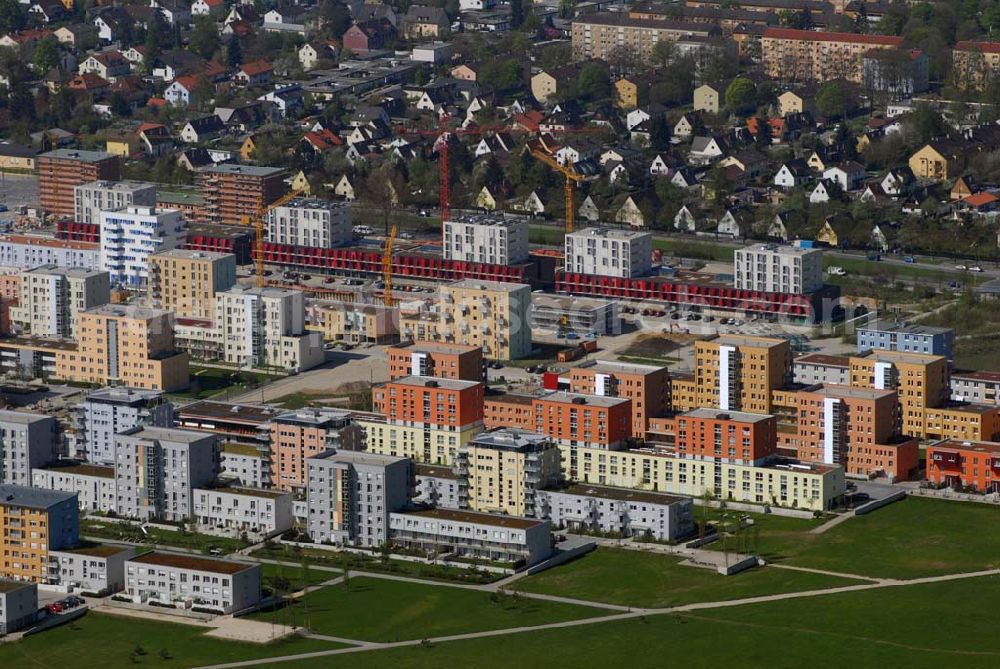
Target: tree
[
  {"x": 119, "y": 105},
  {"x": 593, "y": 82},
  {"x": 832, "y": 100},
  {"x": 334, "y": 17},
  {"x": 664, "y": 52},
  {"x": 205, "y": 37},
  {"x": 234, "y": 52},
  {"x": 741, "y": 95},
  {"x": 926, "y": 123},
  {"x": 46, "y": 55},
  {"x": 659, "y": 133},
  {"x": 11, "y": 16},
  {"x": 516, "y": 13}
]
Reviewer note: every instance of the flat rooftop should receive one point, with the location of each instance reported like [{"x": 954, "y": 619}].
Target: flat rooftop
[
  {"x": 435, "y": 347},
  {"x": 848, "y": 392},
  {"x": 609, "y": 233},
  {"x": 21, "y": 417},
  {"x": 11, "y": 586},
  {"x": 51, "y": 242},
  {"x": 434, "y": 471},
  {"x": 84, "y": 469},
  {"x": 483, "y": 284},
  {"x": 32, "y": 498},
  {"x": 244, "y": 170},
  {"x": 623, "y": 494},
  {"x": 993, "y": 377},
  {"x": 242, "y": 449},
  {"x": 192, "y": 562},
  {"x": 719, "y": 414},
  {"x": 583, "y": 400},
  {"x": 94, "y": 549},
  {"x": 824, "y": 360},
  {"x": 358, "y": 458},
  {"x": 313, "y": 417},
  {"x": 780, "y": 249},
  {"x": 241, "y": 413},
  {"x": 77, "y": 154},
  {"x": 233, "y": 232},
  {"x": 70, "y": 272},
  {"x": 125, "y": 186},
  {"x": 959, "y": 445},
  {"x": 511, "y": 439},
  {"x": 748, "y": 341},
  {"x": 567, "y": 303},
  {"x": 514, "y": 522},
  {"x": 900, "y": 357},
  {"x": 432, "y": 381},
  {"x": 905, "y": 328},
  {"x": 489, "y": 220},
  {"x": 172, "y": 434},
  {"x": 513, "y": 398},
  {"x": 316, "y": 203},
  {"x": 249, "y": 492},
  {"x": 127, "y": 311},
  {"x": 123, "y": 395},
  {"x": 188, "y": 254},
  {"x": 965, "y": 407},
  {"x": 615, "y": 367}
]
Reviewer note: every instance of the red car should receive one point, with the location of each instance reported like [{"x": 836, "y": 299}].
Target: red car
[{"x": 54, "y": 607}]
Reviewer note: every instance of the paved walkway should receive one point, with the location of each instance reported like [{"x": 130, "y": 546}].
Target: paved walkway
[
  {"x": 833, "y": 522},
  {"x": 826, "y": 572},
  {"x": 222, "y": 627}
]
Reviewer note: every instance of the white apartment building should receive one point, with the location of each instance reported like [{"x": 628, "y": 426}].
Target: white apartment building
[
  {"x": 108, "y": 411},
  {"x": 487, "y": 238},
  {"x": 130, "y": 236},
  {"x": 92, "y": 198},
  {"x": 604, "y": 252},
  {"x": 51, "y": 297},
  {"x": 27, "y": 440},
  {"x": 778, "y": 269},
  {"x": 190, "y": 581},
  {"x": 91, "y": 568},
  {"x": 94, "y": 485},
  {"x": 631, "y": 513},
  {"x": 265, "y": 327},
  {"x": 18, "y": 606},
  {"x": 251, "y": 510},
  {"x": 34, "y": 250},
  {"x": 247, "y": 465},
  {"x": 321, "y": 224}
]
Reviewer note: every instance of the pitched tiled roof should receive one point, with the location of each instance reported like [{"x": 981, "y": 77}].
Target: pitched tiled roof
[{"x": 813, "y": 36}]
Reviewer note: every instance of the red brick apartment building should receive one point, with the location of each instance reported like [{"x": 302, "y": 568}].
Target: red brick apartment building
[
  {"x": 62, "y": 170},
  {"x": 442, "y": 360},
  {"x": 568, "y": 418},
  {"x": 966, "y": 463},
  {"x": 647, "y": 386},
  {"x": 232, "y": 192},
  {"x": 430, "y": 402}
]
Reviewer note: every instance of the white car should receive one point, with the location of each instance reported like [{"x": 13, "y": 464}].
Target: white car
[
  {"x": 975, "y": 268},
  {"x": 961, "y": 267}
]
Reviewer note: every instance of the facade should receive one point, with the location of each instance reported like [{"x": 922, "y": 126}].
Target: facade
[
  {"x": 647, "y": 386},
  {"x": 253, "y": 511},
  {"x": 34, "y": 250},
  {"x": 436, "y": 486},
  {"x": 225, "y": 586},
  {"x": 354, "y": 323},
  {"x": 34, "y": 522},
  {"x": 130, "y": 236},
  {"x": 92, "y": 568},
  {"x": 350, "y": 495},
  {"x": 972, "y": 464},
  {"x": 429, "y": 358},
  {"x": 732, "y": 436},
  {"x": 18, "y": 606},
  {"x": 488, "y": 239},
  {"x": 920, "y": 382},
  {"x": 51, "y": 297},
  {"x": 490, "y": 314},
  {"x": 905, "y": 338},
  {"x": 816, "y": 368},
  {"x": 235, "y": 194},
  {"x": 157, "y": 470},
  {"x": 425, "y": 419},
  {"x": 977, "y": 387},
  {"x": 778, "y": 269},
  {"x": 297, "y": 436},
  {"x": 807, "y": 55},
  {"x": 90, "y": 199},
  {"x": 186, "y": 282},
  {"x": 477, "y": 535},
  {"x": 62, "y": 170},
  {"x": 265, "y": 327},
  {"x": 319, "y": 224},
  {"x": 27, "y": 441},
  {"x": 629, "y": 513},
  {"x": 609, "y": 252},
  {"x": 126, "y": 345},
  {"x": 246, "y": 465},
  {"x": 895, "y": 73},
  {"x": 975, "y": 64},
  {"x": 107, "y": 411},
  {"x": 93, "y": 485},
  {"x": 582, "y": 315},
  {"x": 501, "y": 471},
  {"x": 567, "y": 418},
  {"x": 601, "y": 34}
]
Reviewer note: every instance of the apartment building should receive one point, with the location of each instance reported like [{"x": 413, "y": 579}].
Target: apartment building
[
  {"x": 236, "y": 194},
  {"x": 734, "y": 373},
  {"x": 609, "y": 252},
  {"x": 502, "y": 470},
  {"x": 567, "y": 418},
  {"x": 186, "y": 282},
  {"x": 906, "y": 338},
  {"x": 248, "y": 466},
  {"x": 34, "y": 522},
  {"x": 975, "y": 63},
  {"x": 18, "y": 606},
  {"x": 436, "y": 486},
  {"x": 319, "y": 224},
  {"x": 107, "y": 411},
  {"x": 90, "y": 199},
  {"x": 492, "y": 315},
  {"x": 425, "y": 419},
  {"x": 350, "y": 495},
  {"x": 815, "y": 368},
  {"x": 582, "y": 315},
  {"x": 629, "y": 513},
  {"x": 778, "y": 269},
  {"x": 27, "y": 440},
  {"x": 265, "y": 327},
  {"x": 959, "y": 463},
  {"x": 157, "y": 470},
  {"x": 62, "y": 170},
  {"x": 520, "y": 541},
  {"x": 486, "y": 238},
  {"x": 244, "y": 424},
  {"x": 296, "y": 436},
  {"x": 647, "y": 386},
  {"x": 35, "y": 250},
  {"x": 252, "y": 511},
  {"x": 603, "y": 34},
  {"x": 438, "y": 359},
  {"x": 352, "y": 322},
  {"x": 189, "y": 581},
  {"x": 962, "y": 421},
  {"x": 920, "y": 382},
  {"x": 93, "y": 485},
  {"x": 807, "y": 55},
  {"x": 130, "y": 236},
  {"x": 52, "y": 296},
  {"x": 125, "y": 345},
  {"x": 94, "y": 569},
  {"x": 976, "y": 387},
  {"x": 733, "y": 436}
]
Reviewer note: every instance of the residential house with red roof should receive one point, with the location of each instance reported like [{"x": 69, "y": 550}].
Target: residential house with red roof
[{"x": 257, "y": 73}]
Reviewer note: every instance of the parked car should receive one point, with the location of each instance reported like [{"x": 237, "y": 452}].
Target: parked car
[
  {"x": 909, "y": 259},
  {"x": 54, "y": 607},
  {"x": 496, "y": 364},
  {"x": 961, "y": 267},
  {"x": 572, "y": 335},
  {"x": 975, "y": 268}
]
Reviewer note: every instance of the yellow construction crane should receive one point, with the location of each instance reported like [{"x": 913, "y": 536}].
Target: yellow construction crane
[
  {"x": 390, "y": 241},
  {"x": 572, "y": 178},
  {"x": 259, "y": 229}
]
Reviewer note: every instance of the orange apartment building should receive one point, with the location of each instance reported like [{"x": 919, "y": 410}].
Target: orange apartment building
[
  {"x": 62, "y": 170},
  {"x": 34, "y": 521},
  {"x": 806, "y": 55},
  {"x": 569, "y": 419},
  {"x": 954, "y": 463},
  {"x": 920, "y": 381},
  {"x": 233, "y": 194},
  {"x": 647, "y": 386},
  {"x": 439, "y": 359},
  {"x": 734, "y": 436},
  {"x": 299, "y": 435}
]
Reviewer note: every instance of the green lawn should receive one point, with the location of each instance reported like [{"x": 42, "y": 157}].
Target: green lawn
[
  {"x": 218, "y": 382},
  {"x": 918, "y": 627},
  {"x": 911, "y": 538},
  {"x": 637, "y": 579},
  {"x": 282, "y": 578},
  {"x": 100, "y": 641},
  {"x": 374, "y": 609},
  {"x": 114, "y": 530}
]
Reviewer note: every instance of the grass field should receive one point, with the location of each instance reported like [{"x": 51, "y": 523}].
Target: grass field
[
  {"x": 100, "y": 641},
  {"x": 295, "y": 578},
  {"x": 637, "y": 579},
  {"x": 116, "y": 531},
  {"x": 376, "y": 609},
  {"x": 911, "y": 538},
  {"x": 209, "y": 382}
]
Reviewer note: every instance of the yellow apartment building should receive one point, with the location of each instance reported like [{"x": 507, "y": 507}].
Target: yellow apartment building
[
  {"x": 34, "y": 521},
  {"x": 739, "y": 373},
  {"x": 185, "y": 282},
  {"x": 920, "y": 382},
  {"x": 807, "y": 55}
]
